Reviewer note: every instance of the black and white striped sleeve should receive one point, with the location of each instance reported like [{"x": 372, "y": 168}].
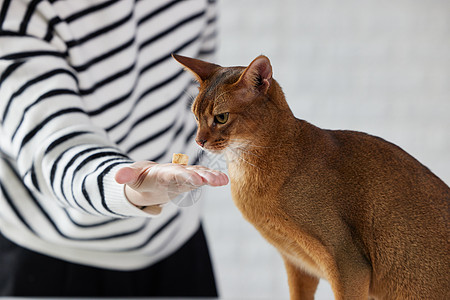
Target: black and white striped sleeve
[
  {"x": 209, "y": 37},
  {"x": 45, "y": 131}
]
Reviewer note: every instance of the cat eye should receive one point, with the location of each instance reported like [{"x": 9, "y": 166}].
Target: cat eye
[{"x": 221, "y": 118}]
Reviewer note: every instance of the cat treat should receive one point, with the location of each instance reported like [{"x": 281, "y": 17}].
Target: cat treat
[{"x": 179, "y": 158}]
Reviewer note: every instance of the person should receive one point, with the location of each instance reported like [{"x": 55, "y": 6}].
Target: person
[{"x": 91, "y": 109}]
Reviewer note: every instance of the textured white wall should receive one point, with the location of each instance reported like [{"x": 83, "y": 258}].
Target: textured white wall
[{"x": 378, "y": 66}]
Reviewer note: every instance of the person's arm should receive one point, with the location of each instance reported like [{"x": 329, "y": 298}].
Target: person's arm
[
  {"x": 45, "y": 130},
  {"x": 209, "y": 37},
  {"x": 58, "y": 151},
  {"x": 151, "y": 194}
]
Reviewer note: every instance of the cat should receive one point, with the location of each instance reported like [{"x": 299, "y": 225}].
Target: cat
[{"x": 340, "y": 205}]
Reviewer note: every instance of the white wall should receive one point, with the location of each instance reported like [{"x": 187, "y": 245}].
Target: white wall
[{"x": 379, "y": 66}]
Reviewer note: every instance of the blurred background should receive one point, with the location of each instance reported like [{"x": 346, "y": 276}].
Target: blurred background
[{"x": 378, "y": 66}]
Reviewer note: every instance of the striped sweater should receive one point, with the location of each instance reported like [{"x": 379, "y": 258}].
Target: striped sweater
[{"x": 88, "y": 87}]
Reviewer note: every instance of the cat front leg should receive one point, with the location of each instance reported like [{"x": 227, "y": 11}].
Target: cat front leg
[
  {"x": 351, "y": 280},
  {"x": 302, "y": 286}
]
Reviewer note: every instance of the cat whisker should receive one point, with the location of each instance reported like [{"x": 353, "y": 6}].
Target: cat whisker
[
  {"x": 235, "y": 151},
  {"x": 191, "y": 97},
  {"x": 246, "y": 143},
  {"x": 246, "y": 161},
  {"x": 243, "y": 148}
]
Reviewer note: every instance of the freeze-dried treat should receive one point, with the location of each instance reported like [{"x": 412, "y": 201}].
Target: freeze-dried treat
[{"x": 179, "y": 158}]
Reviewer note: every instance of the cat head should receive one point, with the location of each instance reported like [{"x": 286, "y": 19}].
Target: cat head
[{"x": 231, "y": 106}]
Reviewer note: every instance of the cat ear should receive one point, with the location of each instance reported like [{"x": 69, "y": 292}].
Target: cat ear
[
  {"x": 202, "y": 70},
  {"x": 258, "y": 75}
]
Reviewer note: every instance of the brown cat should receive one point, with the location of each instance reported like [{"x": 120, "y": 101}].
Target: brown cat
[{"x": 340, "y": 205}]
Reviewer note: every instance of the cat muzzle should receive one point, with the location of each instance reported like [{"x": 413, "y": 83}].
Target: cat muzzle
[{"x": 201, "y": 142}]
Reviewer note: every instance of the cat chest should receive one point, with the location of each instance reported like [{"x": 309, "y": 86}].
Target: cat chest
[
  {"x": 291, "y": 244},
  {"x": 260, "y": 207}
]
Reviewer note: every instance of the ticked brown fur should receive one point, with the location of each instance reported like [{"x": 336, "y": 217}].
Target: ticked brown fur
[{"x": 340, "y": 205}]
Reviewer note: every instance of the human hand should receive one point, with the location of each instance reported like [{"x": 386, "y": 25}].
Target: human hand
[{"x": 149, "y": 184}]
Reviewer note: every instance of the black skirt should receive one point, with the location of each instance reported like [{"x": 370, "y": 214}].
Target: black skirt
[{"x": 186, "y": 273}]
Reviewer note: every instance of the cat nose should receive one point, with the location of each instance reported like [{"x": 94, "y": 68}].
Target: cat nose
[{"x": 201, "y": 142}]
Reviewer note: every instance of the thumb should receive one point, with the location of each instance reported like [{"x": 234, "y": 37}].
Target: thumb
[
  {"x": 133, "y": 175},
  {"x": 125, "y": 175}
]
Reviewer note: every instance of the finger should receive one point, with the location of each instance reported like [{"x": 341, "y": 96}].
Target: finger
[
  {"x": 189, "y": 178},
  {"x": 212, "y": 177}
]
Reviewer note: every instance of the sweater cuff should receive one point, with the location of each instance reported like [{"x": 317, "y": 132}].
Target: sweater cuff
[{"x": 117, "y": 201}]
